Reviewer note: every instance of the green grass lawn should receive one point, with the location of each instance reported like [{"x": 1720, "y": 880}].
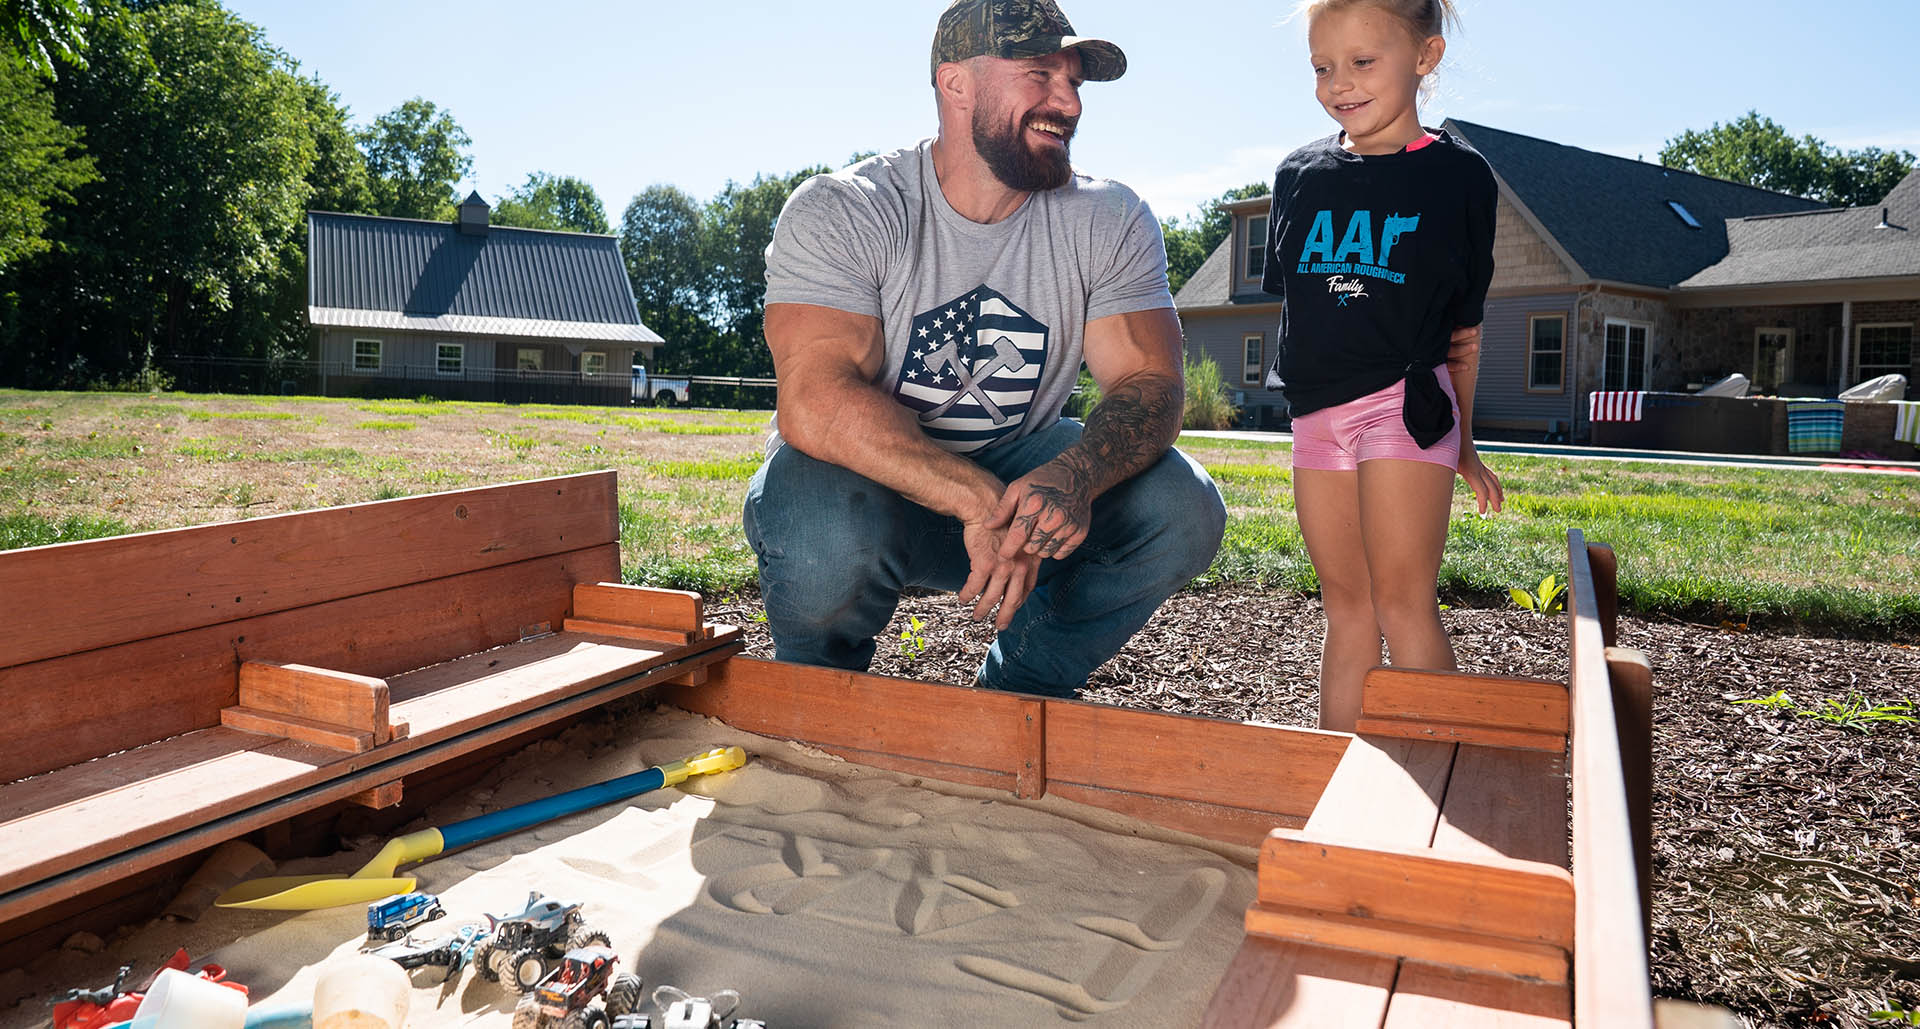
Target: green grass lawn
[{"x": 1780, "y": 549}]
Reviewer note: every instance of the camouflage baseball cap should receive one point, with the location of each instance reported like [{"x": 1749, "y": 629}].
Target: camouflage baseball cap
[{"x": 1019, "y": 28}]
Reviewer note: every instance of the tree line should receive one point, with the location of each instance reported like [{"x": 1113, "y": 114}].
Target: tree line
[{"x": 157, "y": 158}]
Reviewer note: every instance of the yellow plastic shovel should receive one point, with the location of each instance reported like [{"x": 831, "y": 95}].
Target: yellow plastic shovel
[{"x": 376, "y": 879}]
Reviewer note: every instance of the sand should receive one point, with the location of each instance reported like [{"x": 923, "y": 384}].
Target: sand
[{"x": 825, "y": 893}]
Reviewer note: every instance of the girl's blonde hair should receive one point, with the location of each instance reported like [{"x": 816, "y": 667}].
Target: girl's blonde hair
[{"x": 1423, "y": 18}]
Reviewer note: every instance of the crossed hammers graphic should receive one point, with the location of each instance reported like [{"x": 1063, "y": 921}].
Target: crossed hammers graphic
[{"x": 1006, "y": 357}]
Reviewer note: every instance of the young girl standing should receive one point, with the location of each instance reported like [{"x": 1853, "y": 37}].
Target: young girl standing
[{"x": 1382, "y": 246}]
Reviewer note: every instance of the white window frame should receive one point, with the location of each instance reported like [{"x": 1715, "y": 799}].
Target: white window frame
[
  {"x": 1859, "y": 350},
  {"x": 586, "y": 357},
  {"x": 1760, "y": 334},
  {"x": 539, "y": 359},
  {"x": 1249, "y": 248},
  {"x": 377, "y": 355},
  {"x": 1560, "y": 385},
  {"x": 459, "y": 352},
  {"x": 1253, "y": 357},
  {"x": 1646, "y": 361}
]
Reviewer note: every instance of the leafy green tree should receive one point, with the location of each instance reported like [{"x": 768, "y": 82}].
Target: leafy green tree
[
  {"x": 740, "y": 220},
  {"x": 560, "y": 203},
  {"x": 338, "y": 179},
  {"x": 40, "y": 32},
  {"x": 199, "y": 132},
  {"x": 663, "y": 240},
  {"x": 1757, "y": 151},
  {"x": 415, "y": 154},
  {"x": 41, "y": 162},
  {"x": 1190, "y": 241}
]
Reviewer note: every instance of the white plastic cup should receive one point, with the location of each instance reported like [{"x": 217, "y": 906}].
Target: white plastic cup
[
  {"x": 360, "y": 992},
  {"x": 179, "y": 1000}
]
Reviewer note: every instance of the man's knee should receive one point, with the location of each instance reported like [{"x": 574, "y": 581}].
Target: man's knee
[
  {"x": 1182, "y": 509},
  {"x": 819, "y": 521}
]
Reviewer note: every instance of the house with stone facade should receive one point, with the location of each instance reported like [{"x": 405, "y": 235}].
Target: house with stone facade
[
  {"x": 469, "y": 310},
  {"x": 1615, "y": 274}
]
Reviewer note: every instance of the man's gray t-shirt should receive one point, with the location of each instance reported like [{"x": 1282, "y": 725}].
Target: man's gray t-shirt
[{"x": 984, "y": 323}]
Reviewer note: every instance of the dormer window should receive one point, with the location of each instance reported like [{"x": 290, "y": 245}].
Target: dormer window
[
  {"x": 1256, "y": 247},
  {"x": 1680, "y": 211}
]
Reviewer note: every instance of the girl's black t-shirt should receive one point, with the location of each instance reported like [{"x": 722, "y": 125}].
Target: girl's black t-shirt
[{"x": 1379, "y": 258}]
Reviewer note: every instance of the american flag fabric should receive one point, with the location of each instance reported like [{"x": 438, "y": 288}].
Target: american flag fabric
[
  {"x": 1616, "y": 405},
  {"x": 1815, "y": 426},
  {"x": 1906, "y": 421},
  {"x": 971, "y": 370}
]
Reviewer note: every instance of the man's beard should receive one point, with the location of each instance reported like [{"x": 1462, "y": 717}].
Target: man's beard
[{"x": 1016, "y": 164}]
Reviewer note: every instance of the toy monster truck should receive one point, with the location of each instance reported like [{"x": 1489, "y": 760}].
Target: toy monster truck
[
  {"x": 571, "y": 993},
  {"x": 522, "y": 948},
  {"x": 389, "y": 918}
]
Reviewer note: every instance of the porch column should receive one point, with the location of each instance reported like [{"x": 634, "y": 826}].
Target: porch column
[{"x": 1846, "y": 345}]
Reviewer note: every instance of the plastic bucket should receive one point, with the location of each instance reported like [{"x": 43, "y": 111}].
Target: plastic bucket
[
  {"x": 360, "y": 992},
  {"x": 179, "y": 1000}
]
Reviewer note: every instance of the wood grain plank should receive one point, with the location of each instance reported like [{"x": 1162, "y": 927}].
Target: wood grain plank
[
  {"x": 1431, "y": 997},
  {"x": 1405, "y": 940},
  {"x": 1465, "y": 708},
  {"x": 1243, "y": 826},
  {"x": 1483, "y": 894},
  {"x": 153, "y": 584},
  {"x": 953, "y": 726},
  {"x": 1270, "y": 985},
  {"x": 72, "y": 830},
  {"x": 357, "y": 702},
  {"x": 152, "y": 689},
  {"x": 639, "y": 605},
  {"x": 665, "y": 637},
  {"x": 1611, "y": 979},
  {"x": 1479, "y": 735},
  {"x": 1506, "y": 803},
  {"x": 1386, "y": 791},
  {"x": 1030, "y": 779},
  {"x": 468, "y": 692},
  {"x": 293, "y": 727},
  {"x": 1631, "y": 677},
  {"x": 1208, "y": 760}
]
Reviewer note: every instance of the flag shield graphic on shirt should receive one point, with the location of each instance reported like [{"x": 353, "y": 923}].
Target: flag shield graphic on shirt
[{"x": 971, "y": 370}]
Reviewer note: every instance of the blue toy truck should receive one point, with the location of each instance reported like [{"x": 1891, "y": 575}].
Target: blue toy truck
[{"x": 389, "y": 918}]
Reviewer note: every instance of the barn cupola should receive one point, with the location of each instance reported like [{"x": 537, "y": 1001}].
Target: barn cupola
[{"x": 473, "y": 215}]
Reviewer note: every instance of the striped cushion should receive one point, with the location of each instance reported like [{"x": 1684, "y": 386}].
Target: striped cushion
[{"x": 1616, "y": 406}]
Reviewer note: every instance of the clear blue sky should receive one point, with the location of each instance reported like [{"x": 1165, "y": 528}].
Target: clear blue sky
[{"x": 628, "y": 93}]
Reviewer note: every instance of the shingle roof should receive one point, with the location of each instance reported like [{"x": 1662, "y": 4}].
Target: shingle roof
[
  {"x": 1211, "y": 284},
  {"x": 1822, "y": 246},
  {"x": 1611, "y": 214},
  {"x": 370, "y": 272}
]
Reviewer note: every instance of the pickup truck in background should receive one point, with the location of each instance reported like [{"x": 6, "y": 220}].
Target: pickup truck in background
[{"x": 652, "y": 389}]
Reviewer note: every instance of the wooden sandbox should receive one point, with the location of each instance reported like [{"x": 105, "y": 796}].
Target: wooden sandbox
[{"x": 170, "y": 691}]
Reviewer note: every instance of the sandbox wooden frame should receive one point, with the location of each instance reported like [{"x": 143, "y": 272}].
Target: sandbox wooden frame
[{"x": 169, "y": 691}]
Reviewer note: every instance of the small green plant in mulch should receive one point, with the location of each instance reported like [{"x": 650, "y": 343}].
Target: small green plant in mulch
[
  {"x": 1854, "y": 711},
  {"x": 913, "y": 640},
  {"x": 1898, "y": 1014},
  {"x": 1549, "y": 598},
  {"x": 1860, "y": 714}
]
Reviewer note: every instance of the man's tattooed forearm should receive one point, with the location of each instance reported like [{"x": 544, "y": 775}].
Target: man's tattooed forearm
[{"x": 1127, "y": 431}]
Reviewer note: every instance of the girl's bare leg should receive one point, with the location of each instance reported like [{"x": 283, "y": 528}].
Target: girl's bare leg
[
  {"x": 1328, "y": 505},
  {"x": 1404, "y": 507}
]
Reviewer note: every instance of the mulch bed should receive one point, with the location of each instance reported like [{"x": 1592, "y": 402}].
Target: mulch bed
[{"x": 1786, "y": 848}]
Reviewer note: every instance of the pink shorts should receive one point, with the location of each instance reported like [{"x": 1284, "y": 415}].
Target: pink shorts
[{"x": 1372, "y": 428}]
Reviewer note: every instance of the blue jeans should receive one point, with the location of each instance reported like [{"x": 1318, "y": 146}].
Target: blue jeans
[{"x": 836, "y": 549}]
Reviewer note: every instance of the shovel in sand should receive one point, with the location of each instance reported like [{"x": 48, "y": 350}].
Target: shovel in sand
[{"x": 376, "y": 879}]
